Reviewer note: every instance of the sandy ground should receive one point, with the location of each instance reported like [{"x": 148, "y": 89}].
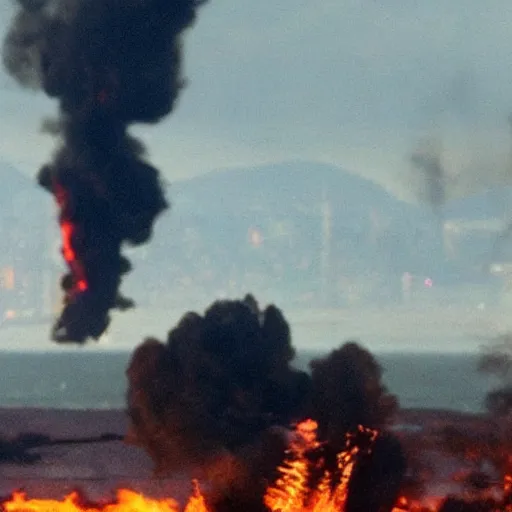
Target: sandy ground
[{"x": 98, "y": 469}]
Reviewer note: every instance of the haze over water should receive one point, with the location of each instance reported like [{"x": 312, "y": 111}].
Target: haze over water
[{"x": 72, "y": 380}]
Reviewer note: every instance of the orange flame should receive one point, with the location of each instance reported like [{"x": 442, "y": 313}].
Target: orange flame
[
  {"x": 130, "y": 501},
  {"x": 291, "y": 492},
  {"x": 126, "y": 501},
  {"x": 67, "y": 249},
  {"x": 196, "y": 503},
  {"x": 67, "y": 229}
]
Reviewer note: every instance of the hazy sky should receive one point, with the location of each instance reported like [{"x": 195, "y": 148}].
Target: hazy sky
[{"x": 356, "y": 82}]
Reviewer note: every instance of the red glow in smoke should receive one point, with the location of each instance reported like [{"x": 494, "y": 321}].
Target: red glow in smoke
[
  {"x": 67, "y": 249},
  {"x": 102, "y": 96},
  {"x": 67, "y": 229}
]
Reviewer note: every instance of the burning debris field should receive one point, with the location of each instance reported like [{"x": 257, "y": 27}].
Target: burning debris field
[
  {"x": 218, "y": 419},
  {"x": 109, "y": 64}
]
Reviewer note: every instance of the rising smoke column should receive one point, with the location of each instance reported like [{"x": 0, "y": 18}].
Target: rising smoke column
[
  {"x": 426, "y": 159},
  {"x": 219, "y": 381},
  {"x": 109, "y": 63}
]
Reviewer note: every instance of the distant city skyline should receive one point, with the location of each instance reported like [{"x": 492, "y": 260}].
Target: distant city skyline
[{"x": 299, "y": 244}]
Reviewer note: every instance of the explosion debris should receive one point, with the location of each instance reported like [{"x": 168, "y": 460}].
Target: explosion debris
[{"x": 109, "y": 63}]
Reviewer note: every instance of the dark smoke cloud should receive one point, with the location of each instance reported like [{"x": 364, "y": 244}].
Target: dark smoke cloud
[
  {"x": 426, "y": 159},
  {"x": 218, "y": 382},
  {"x": 109, "y": 63},
  {"x": 347, "y": 392},
  {"x": 221, "y": 394},
  {"x": 377, "y": 478}
]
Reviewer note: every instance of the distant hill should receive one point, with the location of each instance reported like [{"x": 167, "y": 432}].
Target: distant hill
[
  {"x": 294, "y": 190},
  {"x": 279, "y": 187},
  {"x": 370, "y": 231},
  {"x": 297, "y": 226}
]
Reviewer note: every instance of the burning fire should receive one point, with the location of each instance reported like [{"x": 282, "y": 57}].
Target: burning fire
[
  {"x": 68, "y": 232},
  {"x": 305, "y": 484},
  {"x": 129, "y": 501},
  {"x": 293, "y": 493},
  {"x": 126, "y": 501}
]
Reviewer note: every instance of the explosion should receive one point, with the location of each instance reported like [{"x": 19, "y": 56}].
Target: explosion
[
  {"x": 219, "y": 383},
  {"x": 109, "y": 63},
  {"x": 221, "y": 395}
]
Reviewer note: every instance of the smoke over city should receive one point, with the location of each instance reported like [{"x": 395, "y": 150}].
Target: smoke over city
[
  {"x": 426, "y": 159},
  {"x": 109, "y": 63}
]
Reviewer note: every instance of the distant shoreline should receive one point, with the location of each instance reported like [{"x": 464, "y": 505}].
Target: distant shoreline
[{"x": 454, "y": 329}]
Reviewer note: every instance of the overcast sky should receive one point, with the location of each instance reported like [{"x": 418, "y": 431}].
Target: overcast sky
[{"x": 355, "y": 82}]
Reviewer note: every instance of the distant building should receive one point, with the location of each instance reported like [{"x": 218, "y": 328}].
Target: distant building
[{"x": 23, "y": 246}]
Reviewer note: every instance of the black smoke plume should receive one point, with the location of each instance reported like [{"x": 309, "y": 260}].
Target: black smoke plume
[
  {"x": 347, "y": 391},
  {"x": 109, "y": 63},
  {"x": 426, "y": 159},
  {"x": 221, "y": 394},
  {"x": 218, "y": 383}
]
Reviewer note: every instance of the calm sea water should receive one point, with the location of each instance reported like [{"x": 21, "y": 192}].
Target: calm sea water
[{"x": 97, "y": 380}]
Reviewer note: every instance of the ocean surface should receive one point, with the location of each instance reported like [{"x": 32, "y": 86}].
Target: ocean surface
[{"x": 96, "y": 380}]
